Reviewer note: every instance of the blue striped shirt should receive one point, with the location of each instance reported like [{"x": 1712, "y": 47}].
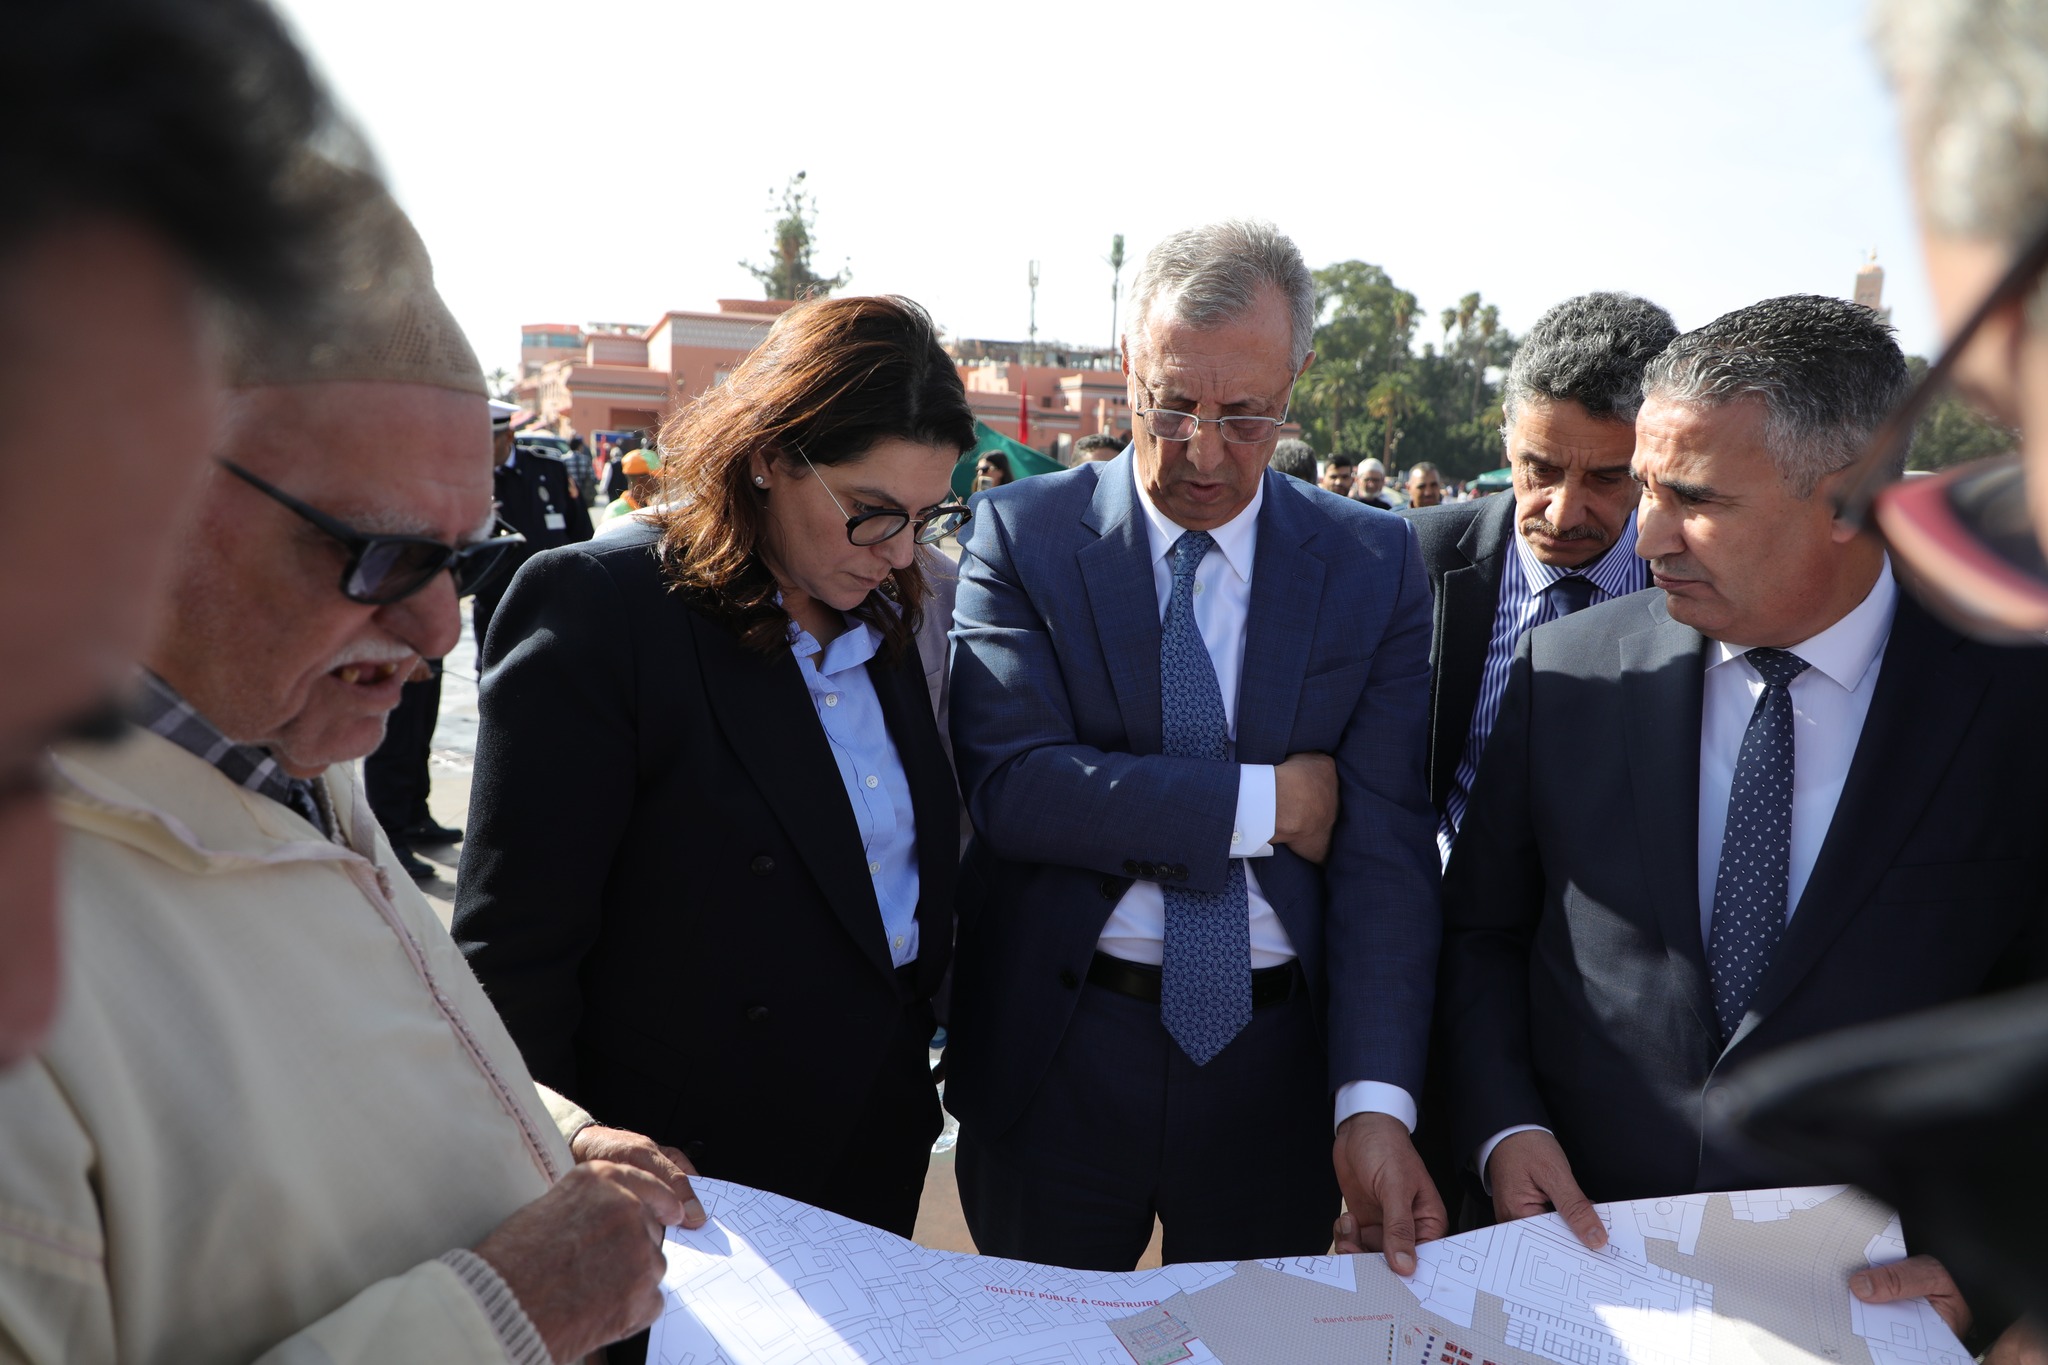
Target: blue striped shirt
[{"x": 1524, "y": 604}]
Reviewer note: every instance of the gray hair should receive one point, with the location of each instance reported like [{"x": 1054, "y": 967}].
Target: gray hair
[
  {"x": 1371, "y": 465},
  {"x": 1297, "y": 457},
  {"x": 1212, "y": 275},
  {"x": 1826, "y": 370},
  {"x": 1425, "y": 467},
  {"x": 1589, "y": 350},
  {"x": 1972, "y": 80}
]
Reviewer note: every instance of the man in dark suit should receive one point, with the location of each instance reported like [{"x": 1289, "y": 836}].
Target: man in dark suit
[
  {"x": 536, "y": 499},
  {"x": 1769, "y": 798},
  {"x": 1190, "y": 940},
  {"x": 1565, "y": 540}
]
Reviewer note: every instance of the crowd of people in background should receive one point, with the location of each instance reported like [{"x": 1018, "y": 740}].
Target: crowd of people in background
[{"x": 1294, "y": 859}]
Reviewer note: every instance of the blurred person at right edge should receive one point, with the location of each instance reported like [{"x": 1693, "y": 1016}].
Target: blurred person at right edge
[
  {"x": 731, "y": 937},
  {"x": 149, "y": 170},
  {"x": 1943, "y": 1113},
  {"x": 1834, "y": 808}
]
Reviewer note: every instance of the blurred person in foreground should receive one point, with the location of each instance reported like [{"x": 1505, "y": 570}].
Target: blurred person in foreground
[
  {"x": 276, "y": 1116},
  {"x": 1942, "y": 1113},
  {"x": 134, "y": 206},
  {"x": 1098, "y": 448},
  {"x": 1564, "y": 541},
  {"x": 731, "y": 937},
  {"x": 1370, "y": 487},
  {"x": 1295, "y": 457},
  {"x": 1188, "y": 704},
  {"x": 1835, "y": 801}
]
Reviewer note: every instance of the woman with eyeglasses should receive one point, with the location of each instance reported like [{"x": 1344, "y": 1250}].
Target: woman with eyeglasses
[{"x": 713, "y": 832}]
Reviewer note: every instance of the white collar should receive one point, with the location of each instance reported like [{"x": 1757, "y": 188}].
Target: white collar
[
  {"x": 1846, "y": 649},
  {"x": 1237, "y": 538}
]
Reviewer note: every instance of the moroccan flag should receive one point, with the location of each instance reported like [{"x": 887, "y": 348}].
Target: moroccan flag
[{"x": 1024, "y": 416}]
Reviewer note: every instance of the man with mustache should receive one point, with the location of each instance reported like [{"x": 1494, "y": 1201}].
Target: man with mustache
[
  {"x": 276, "y": 1116},
  {"x": 1773, "y": 798},
  {"x": 1502, "y": 566}
]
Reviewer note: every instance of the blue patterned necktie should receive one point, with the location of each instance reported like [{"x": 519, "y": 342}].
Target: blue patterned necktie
[
  {"x": 1206, "y": 991},
  {"x": 1571, "y": 593},
  {"x": 1755, "y": 873}
]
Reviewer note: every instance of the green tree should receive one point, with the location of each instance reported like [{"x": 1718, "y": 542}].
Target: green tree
[
  {"x": 1366, "y": 324},
  {"x": 499, "y": 382},
  {"x": 1393, "y": 401},
  {"x": 788, "y": 274},
  {"x": 1952, "y": 432}
]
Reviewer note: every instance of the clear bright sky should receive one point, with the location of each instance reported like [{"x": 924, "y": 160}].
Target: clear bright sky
[{"x": 606, "y": 160}]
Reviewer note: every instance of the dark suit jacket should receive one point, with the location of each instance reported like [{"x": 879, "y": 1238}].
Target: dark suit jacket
[
  {"x": 1464, "y": 545},
  {"x": 1575, "y": 993},
  {"x": 663, "y": 888},
  {"x": 1057, "y": 732},
  {"x": 525, "y": 493}
]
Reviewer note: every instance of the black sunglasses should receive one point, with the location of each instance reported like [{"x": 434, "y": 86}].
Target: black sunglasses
[
  {"x": 1961, "y": 538},
  {"x": 386, "y": 569}
]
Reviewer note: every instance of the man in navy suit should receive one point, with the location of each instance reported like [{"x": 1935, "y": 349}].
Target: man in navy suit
[{"x": 1199, "y": 920}]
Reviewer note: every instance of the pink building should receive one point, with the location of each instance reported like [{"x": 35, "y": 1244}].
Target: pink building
[{"x": 627, "y": 377}]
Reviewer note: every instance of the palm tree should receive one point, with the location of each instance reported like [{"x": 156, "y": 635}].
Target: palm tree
[{"x": 1392, "y": 401}]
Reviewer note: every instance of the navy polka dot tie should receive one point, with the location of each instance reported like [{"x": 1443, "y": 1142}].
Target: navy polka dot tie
[
  {"x": 1754, "y": 876},
  {"x": 1206, "y": 991}
]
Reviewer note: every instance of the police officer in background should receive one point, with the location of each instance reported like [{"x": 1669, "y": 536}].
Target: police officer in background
[{"x": 534, "y": 497}]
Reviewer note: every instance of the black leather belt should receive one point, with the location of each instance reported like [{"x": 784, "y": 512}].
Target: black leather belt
[{"x": 1270, "y": 985}]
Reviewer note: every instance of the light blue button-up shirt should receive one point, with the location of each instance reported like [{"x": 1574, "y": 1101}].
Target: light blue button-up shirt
[{"x": 851, "y": 714}]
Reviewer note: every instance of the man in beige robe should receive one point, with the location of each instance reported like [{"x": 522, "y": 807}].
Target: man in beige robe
[{"x": 276, "y": 1117}]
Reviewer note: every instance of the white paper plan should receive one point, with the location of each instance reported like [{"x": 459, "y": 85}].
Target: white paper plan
[{"x": 1757, "y": 1278}]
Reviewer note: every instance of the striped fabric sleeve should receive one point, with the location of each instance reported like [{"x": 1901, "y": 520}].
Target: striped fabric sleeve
[{"x": 516, "y": 1332}]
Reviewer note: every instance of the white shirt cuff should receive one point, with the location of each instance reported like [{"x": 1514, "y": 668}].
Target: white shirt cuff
[
  {"x": 1486, "y": 1149},
  {"x": 1375, "y": 1097},
  {"x": 1258, "y": 810}
]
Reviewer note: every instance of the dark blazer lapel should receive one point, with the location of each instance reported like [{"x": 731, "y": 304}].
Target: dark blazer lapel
[
  {"x": 1928, "y": 691},
  {"x": 1117, "y": 571},
  {"x": 1468, "y": 600},
  {"x": 766, "y": 714},
  {"x": 1280, "y": 624},
  {"x": 935, "y": 800},
  {"x": 1662, "y": 684}
]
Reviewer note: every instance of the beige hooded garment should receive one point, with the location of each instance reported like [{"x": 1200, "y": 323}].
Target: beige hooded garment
[{"x": 274, "y": 1095}]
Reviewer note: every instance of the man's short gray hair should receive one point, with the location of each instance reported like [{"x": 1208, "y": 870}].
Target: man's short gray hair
[
  {"x": 1826, "y": 370},
  {"x": 1972, "y": 79},
  {"x": 1297, "y": 457},
  {"x": 1590, "y": 350},
  {"x": 1212, "y": 275},
  {"x": 1371, "y": 465}
]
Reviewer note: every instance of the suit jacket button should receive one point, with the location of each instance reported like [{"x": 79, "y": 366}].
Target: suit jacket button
[
  {"x": 1108, "y": 888},
  {"x": 757, "y": 1014},
  {"x": 762, "y": 865},
  {"x": 1132, "y": 867},
  {"x": 1069, "y": 980}
]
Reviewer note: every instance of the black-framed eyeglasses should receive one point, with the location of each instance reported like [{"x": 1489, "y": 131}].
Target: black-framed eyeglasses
[
  {"x": 933, "y": 524},
  {"x": 1961, "y": 539},
  {"x": 1171, "y": 424},
  {"x": 386, "y": 569}
]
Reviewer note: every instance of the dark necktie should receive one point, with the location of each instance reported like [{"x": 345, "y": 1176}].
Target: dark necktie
[
  {"x": 1754, "y": 876},
  {"x": 1206, "y": 989},
  {"x": 1569, "y": 594}
]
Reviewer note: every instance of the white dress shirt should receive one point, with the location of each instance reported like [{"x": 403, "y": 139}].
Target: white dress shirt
[
  {"x": 1136, "y": 931},
  {"x": 1829, "y": 702}
]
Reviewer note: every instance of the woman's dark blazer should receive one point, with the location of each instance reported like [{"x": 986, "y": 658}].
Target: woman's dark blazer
[{"x": 663, "y": 888}]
